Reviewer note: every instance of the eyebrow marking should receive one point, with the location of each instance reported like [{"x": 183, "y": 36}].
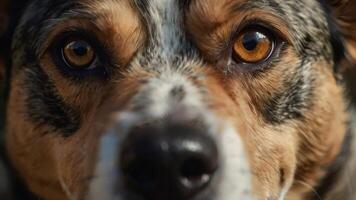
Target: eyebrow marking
[
  {"x": 51, "y": 23},
  {"x": 270, "y": 5},
  {"x": 142, "y": 5}
]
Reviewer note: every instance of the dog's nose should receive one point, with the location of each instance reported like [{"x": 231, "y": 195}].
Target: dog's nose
[{"x": 168, "y": 162}]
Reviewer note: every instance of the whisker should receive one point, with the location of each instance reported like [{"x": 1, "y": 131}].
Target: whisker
[
  {"x": 311, "y": 188},
  {"x": 66, "y": 189}
]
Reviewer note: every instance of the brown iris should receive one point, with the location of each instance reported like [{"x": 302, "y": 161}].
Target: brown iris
[
  {"x": 253, "y": 46},
  {"x": 78, "y": 54}
]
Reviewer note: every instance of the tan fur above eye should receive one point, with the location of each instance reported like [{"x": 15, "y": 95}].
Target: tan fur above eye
[{"x": 252, "y": 47}]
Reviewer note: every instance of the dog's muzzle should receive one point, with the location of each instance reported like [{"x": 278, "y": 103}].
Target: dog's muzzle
[{"x": 169, "y": 149}]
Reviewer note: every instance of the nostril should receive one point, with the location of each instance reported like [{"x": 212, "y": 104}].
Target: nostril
[{"x": 194, "y": 172}]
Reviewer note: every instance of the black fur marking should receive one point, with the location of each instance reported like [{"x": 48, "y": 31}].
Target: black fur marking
[
  {"x": 336, "y": 39},
  {"x": 284, "y": 106},
  {"x": 249, "y": 5},
  {"x": 178, "y": 93},
  {"x": 143, "y": 5},
  {"x": 46, "y": 107},
  {"x": 308, "y": 47},
  {"x": 276, "y": 7},
  {"x": 290, "y": 103}
]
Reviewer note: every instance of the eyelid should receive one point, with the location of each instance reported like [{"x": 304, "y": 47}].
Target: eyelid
[
  {"x": 260, "y": 24},
  {"x": 68, "y": 33}
]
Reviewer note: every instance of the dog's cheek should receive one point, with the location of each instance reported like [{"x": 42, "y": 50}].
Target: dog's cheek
[
  {"x": 272, "y": 155},
  {"x": 75, "y": 159},
  {"x": 271, "y": 151},
  {"x": 322, "y": 133},
  {"x": 53, "y": 166},
  {"x": 78, "y": 156},
  {"x": 273, "y": 162},
  {"x": 31, "y": 152}
]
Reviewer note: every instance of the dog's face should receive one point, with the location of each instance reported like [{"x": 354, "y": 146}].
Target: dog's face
[{"x": 167, "y": 99}]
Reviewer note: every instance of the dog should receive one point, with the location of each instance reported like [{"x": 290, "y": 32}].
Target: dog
[{"x": 180, "y": 99}]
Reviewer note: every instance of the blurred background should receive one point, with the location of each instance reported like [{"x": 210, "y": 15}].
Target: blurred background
[{"x": 350, "y": 75}]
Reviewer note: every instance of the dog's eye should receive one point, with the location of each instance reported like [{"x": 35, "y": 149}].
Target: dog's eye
[
  {"x": 253, "y": 46},
  {"x": 78, "y": 54}
]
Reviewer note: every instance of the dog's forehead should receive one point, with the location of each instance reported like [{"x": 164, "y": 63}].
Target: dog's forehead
[
  {"x": 304, "y": 12},
  {"x": 294, "y": 10}
]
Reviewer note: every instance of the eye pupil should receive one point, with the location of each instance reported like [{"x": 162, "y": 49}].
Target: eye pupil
[
  {"x": 80, "y": 48},
  {"x": 250, "y": 42}
]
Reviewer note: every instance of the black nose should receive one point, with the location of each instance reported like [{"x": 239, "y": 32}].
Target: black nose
[{"x": 168, "y": 161}]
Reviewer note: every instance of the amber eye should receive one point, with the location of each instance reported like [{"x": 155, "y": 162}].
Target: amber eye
[
  {"x": 253, "y": 46},
  {"x": 78, "y": 54}
]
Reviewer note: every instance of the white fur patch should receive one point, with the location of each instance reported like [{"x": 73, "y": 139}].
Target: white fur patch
[
  {"x": 236, "y": 178},
  {"x": 156, "y": 100},
  {"x": 106, "y": 172}
]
